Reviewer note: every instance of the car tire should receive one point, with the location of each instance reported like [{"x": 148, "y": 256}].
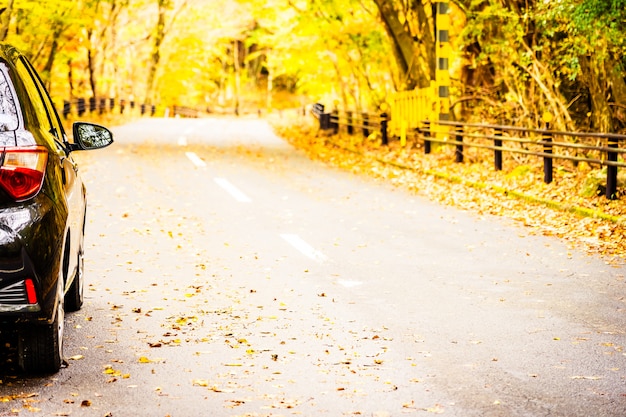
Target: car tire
[
  {"x": 75, "y": 295},
  {"x": 41, "y": 347}
]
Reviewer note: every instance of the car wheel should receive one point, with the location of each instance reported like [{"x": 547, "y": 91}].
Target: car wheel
[
  {"x": 41, "y": 347},
  {"x": 74, "y": 296}
]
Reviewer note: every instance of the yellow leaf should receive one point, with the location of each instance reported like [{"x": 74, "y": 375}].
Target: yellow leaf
[
  {"x": 200, "y": 382},
  {"x": 112, "y": 372},
  {"x": 436, "y": 409}
]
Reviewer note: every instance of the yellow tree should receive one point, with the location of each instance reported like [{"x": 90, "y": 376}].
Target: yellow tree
[
  {"x": 5, "y": 20},
  {"x": 168, "y": 11},
  {"x": 410, "y": 27},
  {"x": 330, "y": 49}
]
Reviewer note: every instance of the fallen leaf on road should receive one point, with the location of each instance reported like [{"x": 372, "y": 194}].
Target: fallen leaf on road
[{"x": 436, "y": 409}]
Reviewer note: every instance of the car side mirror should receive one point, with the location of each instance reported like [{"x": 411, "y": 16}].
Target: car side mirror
[{"x": 90, "y": 136}]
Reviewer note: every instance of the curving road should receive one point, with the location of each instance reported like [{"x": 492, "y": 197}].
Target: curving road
[{"x": 230, "y": 276}]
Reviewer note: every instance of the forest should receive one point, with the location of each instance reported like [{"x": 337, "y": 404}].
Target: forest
[{"x": 513, "y": 60}]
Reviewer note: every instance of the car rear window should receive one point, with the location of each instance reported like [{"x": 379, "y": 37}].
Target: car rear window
[
  {"x": 8, "y": 110},
  {"x": 12, "y": 131}
]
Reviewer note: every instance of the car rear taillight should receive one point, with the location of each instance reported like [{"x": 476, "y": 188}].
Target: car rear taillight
[
  {"x": 30, "y": 291},
  {"x": 22, "y": 171}
]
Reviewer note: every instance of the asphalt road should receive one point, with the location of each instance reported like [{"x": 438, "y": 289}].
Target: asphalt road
[{"x": 227, "y": 275}]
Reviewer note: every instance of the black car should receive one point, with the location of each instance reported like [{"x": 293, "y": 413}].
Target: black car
[{"x": 42, "y": 214}]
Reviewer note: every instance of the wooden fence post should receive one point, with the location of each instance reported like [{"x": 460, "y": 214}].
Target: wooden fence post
[
  {"x": 366, "y": 123},
  {"x": 81, "y": 107},
  {"x": 383, "y": 129},
  {"x": 497, "y": 155},
  {"x": 458, "y": 153},
  {"x": 611, "y": 170},
  {"x": 426, "y": 130},
  {"x": 350, "y": 123},
  {"x": 547, "y": 160},
  {"x": 67, "y": 108}
]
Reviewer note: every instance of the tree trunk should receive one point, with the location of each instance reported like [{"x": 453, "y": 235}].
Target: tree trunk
[
  {"x": 47, "y": 69},
  {"x": 155, "y": 55},
  {"x": 5, "y": 21},
  {"x": 70, "y": 79},
  {"x": 618, "y": 88},
  {"x": 237, "y": 66},
  {"x": 91, "y": 67},
  {"x": 415, "y": 68},
  {"x": 594, "y": 73}
]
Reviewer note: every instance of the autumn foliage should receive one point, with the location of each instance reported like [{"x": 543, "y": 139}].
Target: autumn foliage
[{"x": 513, "y": 60}]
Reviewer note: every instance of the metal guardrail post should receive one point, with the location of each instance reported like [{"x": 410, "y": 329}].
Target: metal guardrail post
[
  {"x": 67, "y": 108},
  {"x": 81, "y": 107},
  {"x": 497, "y": 153},
  {"x": 383, "y": 129},
  {"x": 547, "y": 160},
  {"x": 366, "y": 123},
  {"x": 324, "y": 121},
  {"x": 611, "y": 170},
  {"x": 427, "y": 143},
  {"x": 350, "y": 123},
  {"x": 324, "y": 118},
  {"x": 458, "y": 153},
  {"x": 334, "y": 121}
]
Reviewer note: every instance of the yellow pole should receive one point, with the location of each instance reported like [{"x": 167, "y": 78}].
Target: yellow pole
[{"x": 443, "y": 53}]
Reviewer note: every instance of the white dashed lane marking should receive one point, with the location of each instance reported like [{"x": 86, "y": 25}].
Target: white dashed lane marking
[
  {"x": 232, "y": 190},
  {"x": 294, "y": 240},
  {"x": 304, "y": 248},
  {"x": 197, "y": 161}
]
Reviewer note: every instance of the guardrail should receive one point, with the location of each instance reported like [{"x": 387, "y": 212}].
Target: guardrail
[
  {"x": 80, "y": 106},
  {"x": 601, "y": 149},
  {"x": 366, "y": 122}
]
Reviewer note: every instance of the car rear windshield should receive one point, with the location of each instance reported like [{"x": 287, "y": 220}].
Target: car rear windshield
[
  {"x": 12, "y": 132},
  {"x": 8, "y": 109}
]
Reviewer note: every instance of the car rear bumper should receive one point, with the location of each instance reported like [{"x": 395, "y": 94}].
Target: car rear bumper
[{"x": 27, "y": 254}]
